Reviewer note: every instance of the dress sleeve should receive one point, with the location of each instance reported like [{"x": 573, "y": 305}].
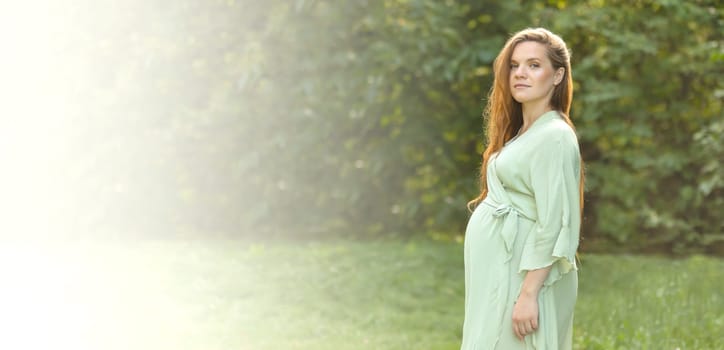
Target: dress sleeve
[{"x": 555, "y": 175}]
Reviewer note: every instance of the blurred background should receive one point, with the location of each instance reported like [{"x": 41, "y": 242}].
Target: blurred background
[
  {"x": 314, "y": 118},
  {"x": 276, "y": 123}
]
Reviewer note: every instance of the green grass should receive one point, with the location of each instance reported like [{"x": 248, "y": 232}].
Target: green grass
[{"x": 333, "y": 295}]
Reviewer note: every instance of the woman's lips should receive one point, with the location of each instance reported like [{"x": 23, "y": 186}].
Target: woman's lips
[{"x": 520, "y": 86}]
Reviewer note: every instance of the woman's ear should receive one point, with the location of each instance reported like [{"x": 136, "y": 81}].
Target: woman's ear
[{"x": 558, "y": 76}]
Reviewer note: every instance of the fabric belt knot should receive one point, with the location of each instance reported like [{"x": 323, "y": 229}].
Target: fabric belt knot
[{"x": 509, "y": 215}]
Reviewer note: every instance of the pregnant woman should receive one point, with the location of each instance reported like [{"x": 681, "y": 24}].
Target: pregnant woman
[{"x": 521, "y": 276}]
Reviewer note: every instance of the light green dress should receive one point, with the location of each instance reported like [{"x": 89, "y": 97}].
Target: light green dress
[{"x": 529, "y": 220}]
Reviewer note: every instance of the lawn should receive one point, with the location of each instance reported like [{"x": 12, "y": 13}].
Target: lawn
[{"x": 324, "y": 295}]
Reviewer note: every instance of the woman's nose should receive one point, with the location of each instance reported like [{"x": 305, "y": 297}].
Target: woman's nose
[{"x": 519, "y": 71}]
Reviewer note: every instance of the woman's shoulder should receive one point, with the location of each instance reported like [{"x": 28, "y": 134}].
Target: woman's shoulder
[
  {"x": 555, "y": 132},
  {"x": 556, "y": 129}
]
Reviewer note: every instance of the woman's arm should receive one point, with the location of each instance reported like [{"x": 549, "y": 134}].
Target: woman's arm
[{"x": 525, "y": 310}]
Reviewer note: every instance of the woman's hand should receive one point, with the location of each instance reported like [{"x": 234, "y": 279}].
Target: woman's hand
[{"x": 525, "y": 315}]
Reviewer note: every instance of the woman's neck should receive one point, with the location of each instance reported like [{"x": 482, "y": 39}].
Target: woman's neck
[{"x": 531, "y": 112}]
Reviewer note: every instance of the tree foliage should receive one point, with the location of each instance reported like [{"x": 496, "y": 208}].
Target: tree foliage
[{"x": 316, "y": 117}]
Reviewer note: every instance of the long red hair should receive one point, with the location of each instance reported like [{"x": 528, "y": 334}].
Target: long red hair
[{"x": 504, "y": 115}]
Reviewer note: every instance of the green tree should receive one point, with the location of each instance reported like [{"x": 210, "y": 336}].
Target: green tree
[{"x": 318, "y": 117}]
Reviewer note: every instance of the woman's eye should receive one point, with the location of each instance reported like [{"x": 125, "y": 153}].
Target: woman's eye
[
  {"x": 513, "y": 66},
  {"x": 534, "y": 65}
]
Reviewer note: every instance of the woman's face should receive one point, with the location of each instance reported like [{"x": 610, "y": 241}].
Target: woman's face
[{"x": 532, "y": 77}]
